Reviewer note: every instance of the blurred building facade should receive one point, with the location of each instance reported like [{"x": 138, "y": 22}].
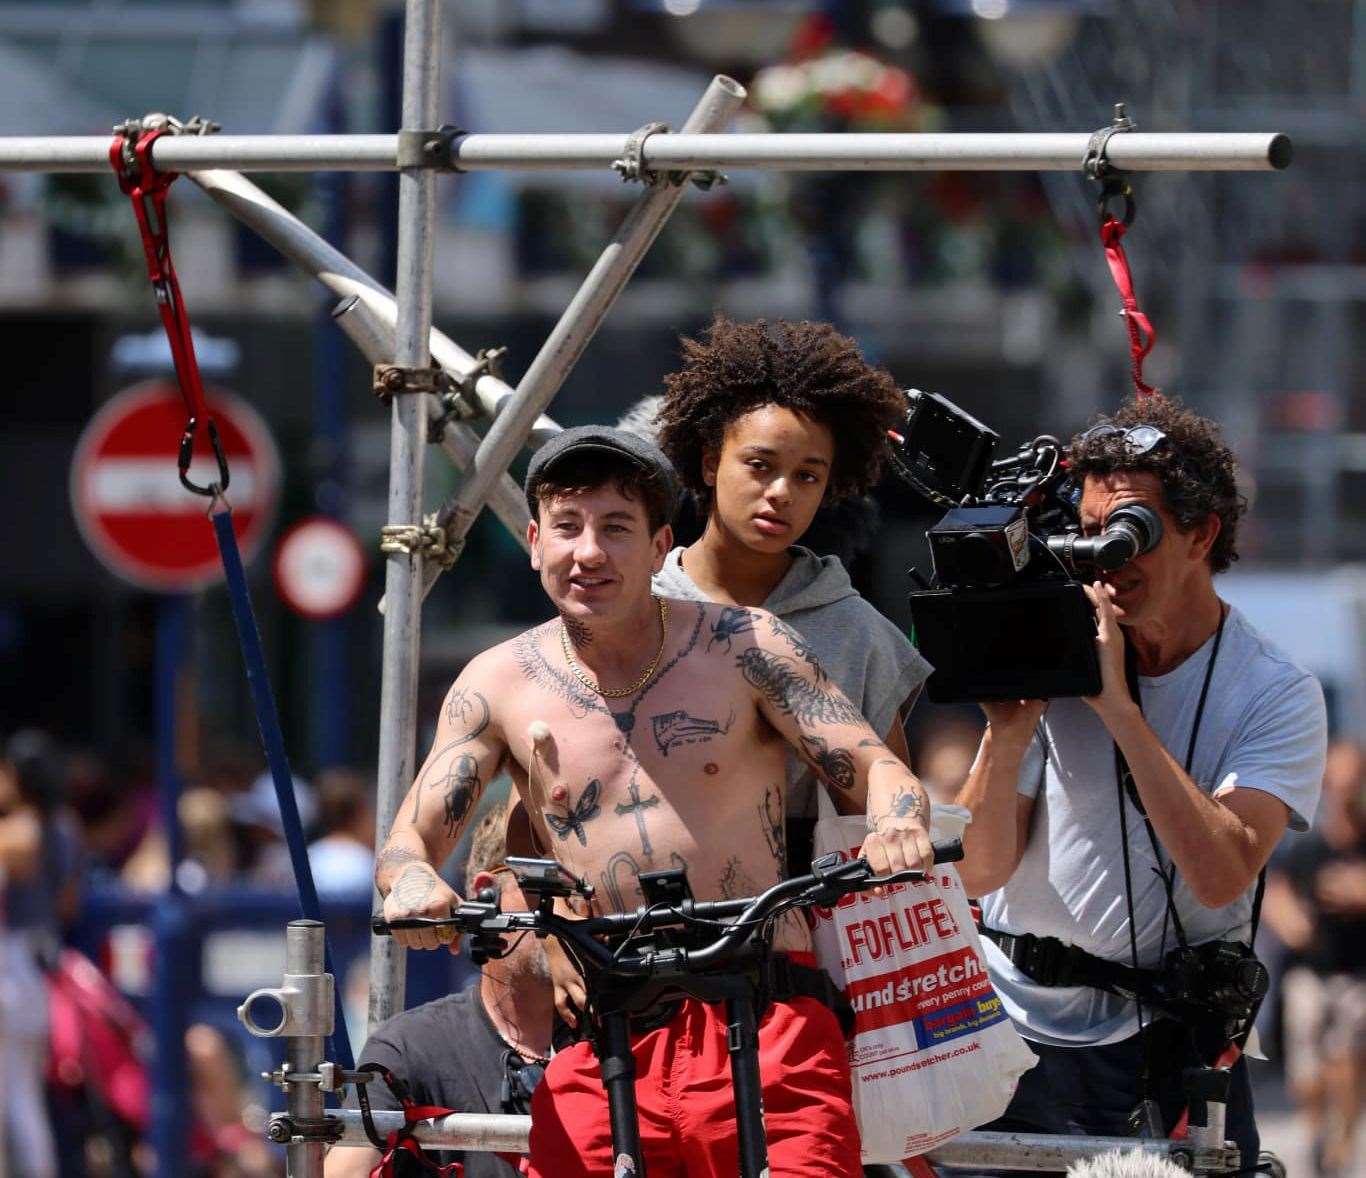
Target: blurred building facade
[{"x": 989, "y": 288}]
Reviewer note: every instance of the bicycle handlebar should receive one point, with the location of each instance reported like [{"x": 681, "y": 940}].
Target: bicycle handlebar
[{"x": 829, "y": 880}]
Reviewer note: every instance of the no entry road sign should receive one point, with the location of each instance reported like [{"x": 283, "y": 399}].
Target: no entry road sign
[
  {"x": 319, "y": 568},
  {"x": 128, "y": 501}
]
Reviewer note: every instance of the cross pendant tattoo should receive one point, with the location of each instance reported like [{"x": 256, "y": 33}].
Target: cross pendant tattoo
[{"x": 636, "y": 807}]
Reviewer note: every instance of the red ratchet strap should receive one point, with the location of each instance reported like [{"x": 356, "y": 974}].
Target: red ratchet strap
[
  {"x": 402, "y": 1141},
  {"x": 1096, "y": 166},
  {"x": 131, "y": 157},
  {"x": 1227, "y": 1058},
  {"x": 1141, "y": 333}
]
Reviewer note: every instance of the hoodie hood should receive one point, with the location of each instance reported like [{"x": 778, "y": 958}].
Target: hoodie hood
[{"x": 812, "y": 581}]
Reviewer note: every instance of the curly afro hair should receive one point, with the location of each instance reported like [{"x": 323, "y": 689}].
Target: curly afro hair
[
  {"x": 808, "y": 368},
  {"x": 1198, "y": 472}
]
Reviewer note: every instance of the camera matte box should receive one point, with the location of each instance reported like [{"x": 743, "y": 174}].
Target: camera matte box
[{"x": 1033, "y": 641}]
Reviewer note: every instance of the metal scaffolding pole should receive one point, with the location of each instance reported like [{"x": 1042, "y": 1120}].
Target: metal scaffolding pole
[
  {"x": 1136, "y": 151},
  {"x": 576, "y": 326},
  {"x": 972, "y": 1150},
  {"x": 314, "y": 254},
  {"x": 407, "y": 446}
]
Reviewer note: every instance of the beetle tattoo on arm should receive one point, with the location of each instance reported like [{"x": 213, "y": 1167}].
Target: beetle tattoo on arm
[
  {"x": 733, "y": 621},
  {"x": 835, "y": 765}
]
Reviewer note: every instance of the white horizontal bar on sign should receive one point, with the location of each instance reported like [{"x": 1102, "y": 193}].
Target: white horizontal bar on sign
[
  {"x": 1137, "y": 151},
  {"x": 153, "y": 485}
]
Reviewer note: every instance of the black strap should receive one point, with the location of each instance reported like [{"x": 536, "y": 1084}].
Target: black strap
[
  {"x": 1125, "y": 776},
  {"x": 1051, "y": 962}
]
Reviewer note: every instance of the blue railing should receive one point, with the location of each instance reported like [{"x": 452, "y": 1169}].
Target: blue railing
[{"x": 188, "y": 968}]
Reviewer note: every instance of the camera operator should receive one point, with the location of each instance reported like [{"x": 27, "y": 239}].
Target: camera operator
[{"x": 1220, "y": 741}]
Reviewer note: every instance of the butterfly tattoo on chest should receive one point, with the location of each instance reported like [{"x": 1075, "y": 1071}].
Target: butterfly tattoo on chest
[{"x": 584, "y": 810}]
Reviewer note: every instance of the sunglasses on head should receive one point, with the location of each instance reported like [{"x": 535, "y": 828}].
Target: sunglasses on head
[{"x": 1137, "y": 439}]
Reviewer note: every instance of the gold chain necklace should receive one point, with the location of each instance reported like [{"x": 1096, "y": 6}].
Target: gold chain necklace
[{"x": 618, "y": 692}]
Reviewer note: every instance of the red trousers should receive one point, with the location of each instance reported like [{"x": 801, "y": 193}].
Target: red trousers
[{"x": 687, "y": 1110}]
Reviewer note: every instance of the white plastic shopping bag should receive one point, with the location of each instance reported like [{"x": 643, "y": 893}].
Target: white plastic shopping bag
[{"x": 933, "y": 1053}]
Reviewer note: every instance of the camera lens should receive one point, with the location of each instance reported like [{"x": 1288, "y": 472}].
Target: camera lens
[
  {"x": 1251, "y": 979},
  {"x": 979, "y": 557}
]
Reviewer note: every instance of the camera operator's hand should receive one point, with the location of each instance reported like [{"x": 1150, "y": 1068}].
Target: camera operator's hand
[
  {"x": 419, "y": 891},
  {"x": 1013, "y": 721},
  {"x": 1114, "y": 688},
  {"x": 571, "y": 997}
]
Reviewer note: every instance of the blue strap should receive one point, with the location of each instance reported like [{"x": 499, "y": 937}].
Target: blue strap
[{"x": 268, "y": 721}]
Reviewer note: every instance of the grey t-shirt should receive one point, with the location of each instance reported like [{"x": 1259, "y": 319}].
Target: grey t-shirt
[
  {"x": 1264, "y": 727},
  {"x": 874, "y": 664}
]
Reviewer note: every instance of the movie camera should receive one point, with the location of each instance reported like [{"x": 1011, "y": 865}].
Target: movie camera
[{"x": 1007, "y": 616}]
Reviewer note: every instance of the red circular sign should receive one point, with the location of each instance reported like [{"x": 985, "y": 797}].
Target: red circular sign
[
  {"x": 319, "y": 568},
  {"x": 129, "y": 503}
]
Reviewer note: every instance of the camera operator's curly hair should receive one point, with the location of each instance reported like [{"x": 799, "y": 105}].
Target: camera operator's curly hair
[
  {"x": 1198, "y": 472},
  {"x": 809, "y": 368}
]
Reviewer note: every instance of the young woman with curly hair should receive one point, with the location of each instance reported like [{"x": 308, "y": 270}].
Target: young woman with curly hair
[{"x": 765, "y": 422}]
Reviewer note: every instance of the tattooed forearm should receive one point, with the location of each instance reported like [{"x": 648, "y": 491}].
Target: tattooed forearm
[
  {"x": 732, "y": 621},
  {"x": 803, "y": 649},
  {"x": 468, "y": 710},
  {"x": 579, "y": 633},
  {"x": 394, "y": 856},
  {"x": 835, "y": 765},
  {"x": 778, "y": 678}
]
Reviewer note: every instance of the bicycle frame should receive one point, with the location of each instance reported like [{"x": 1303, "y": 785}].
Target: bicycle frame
[{"x": 620, "y": 985}]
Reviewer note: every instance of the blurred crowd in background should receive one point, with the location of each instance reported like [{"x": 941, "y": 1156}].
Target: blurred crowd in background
[{"x": 76, "y": 1053}]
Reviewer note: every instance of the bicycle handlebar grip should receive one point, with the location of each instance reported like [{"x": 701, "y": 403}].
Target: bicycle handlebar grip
[
  {"x": 948, "y": 850},
  {"x": 384, "y": 928}
]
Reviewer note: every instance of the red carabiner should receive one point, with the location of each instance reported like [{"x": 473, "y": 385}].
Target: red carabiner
[{"x": 146, "y": 188}]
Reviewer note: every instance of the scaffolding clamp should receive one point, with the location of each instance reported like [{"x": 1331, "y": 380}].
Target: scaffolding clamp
[
  {"x": 427, "y": 540},
  {"x": 1096, "y": 165},
  {"x": 285, "y": 1129},
  {"x": 631, "y": 166},
  {"x": 459, "y": 401},
  {"x": 439, "y": 149},
  {"x": 395, "y": 380}
]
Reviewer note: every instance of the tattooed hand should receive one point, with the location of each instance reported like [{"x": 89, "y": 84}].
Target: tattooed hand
[
  {"x": 899, "y": 832},
  {"x": 418, "y": 891}
]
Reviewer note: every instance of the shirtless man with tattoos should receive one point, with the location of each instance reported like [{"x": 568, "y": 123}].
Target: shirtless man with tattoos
[{"x": 644, "y": 733}]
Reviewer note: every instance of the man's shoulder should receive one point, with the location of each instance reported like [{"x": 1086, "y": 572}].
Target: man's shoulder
[
  {"x": 421, "y": 1029},
  {"x": 494, "y": 665},
  {"x": 1269, "y": 677}
]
